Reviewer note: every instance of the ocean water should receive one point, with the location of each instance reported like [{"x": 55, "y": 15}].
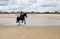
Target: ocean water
[{"x": 31, "y": 21}]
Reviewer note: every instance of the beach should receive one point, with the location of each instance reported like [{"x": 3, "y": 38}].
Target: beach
[
  {"x": 57, "y": 16},
  {"x": 30, "y": 32}
]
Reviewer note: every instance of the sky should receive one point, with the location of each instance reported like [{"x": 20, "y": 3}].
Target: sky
[{"x": 30, "y": 5}]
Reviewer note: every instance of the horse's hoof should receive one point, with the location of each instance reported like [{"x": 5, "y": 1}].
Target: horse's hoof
[
  {"x": 24, "y": 23},
  {"x": 21, "y": 22},
  {"x": 18, "y": 24}
]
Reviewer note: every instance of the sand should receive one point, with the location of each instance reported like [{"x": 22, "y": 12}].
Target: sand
[
  {"x": 29, "y": 32},
  {"x": 57, "y": 16}
]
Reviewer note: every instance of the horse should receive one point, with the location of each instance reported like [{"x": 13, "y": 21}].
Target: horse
[{"x": 21, "y": 18}]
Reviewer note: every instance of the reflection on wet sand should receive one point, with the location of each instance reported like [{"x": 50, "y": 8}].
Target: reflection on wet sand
[{"x": 31, "y": 21}]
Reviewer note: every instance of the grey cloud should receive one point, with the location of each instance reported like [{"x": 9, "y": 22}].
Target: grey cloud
[
  {"x": 4, "y": 0},
  {"x": 3, "y": 3},
  {"x": 47, "y": 5}
]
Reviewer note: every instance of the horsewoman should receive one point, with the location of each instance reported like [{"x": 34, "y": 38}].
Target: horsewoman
[{"x": 22, "y": 17}]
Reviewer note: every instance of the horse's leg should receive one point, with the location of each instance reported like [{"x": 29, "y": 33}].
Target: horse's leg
[
  {"x": 24, "y": 21},
  {"x": 16, "y": 20},
  {"x": 19, "y": 23}
]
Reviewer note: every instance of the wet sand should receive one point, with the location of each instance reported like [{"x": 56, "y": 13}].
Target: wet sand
[
  {"x": 29, "y": 32},
  {"x": 31, "y": 21}
]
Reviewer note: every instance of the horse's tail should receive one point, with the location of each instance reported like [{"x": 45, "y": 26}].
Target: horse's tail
[{"x": 17, "y": 19}]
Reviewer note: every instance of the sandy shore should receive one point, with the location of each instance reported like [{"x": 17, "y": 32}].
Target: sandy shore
[
  {"x": 29, "y": 32},
  {"x": 31, "y": 15}
]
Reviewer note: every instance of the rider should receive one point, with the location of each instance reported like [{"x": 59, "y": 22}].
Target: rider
[
  {"x": 21, "y": 16},
  {"x": 21, "y": 13}
]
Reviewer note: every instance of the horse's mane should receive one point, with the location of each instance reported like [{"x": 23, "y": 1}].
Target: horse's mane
[{"x": 25, "y": 14}]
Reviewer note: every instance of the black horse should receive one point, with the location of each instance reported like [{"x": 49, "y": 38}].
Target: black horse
[{"x": 21, "y": 18}]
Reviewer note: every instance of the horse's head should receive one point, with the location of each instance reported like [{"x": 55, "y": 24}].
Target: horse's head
[{"x": 25, "y": 14}]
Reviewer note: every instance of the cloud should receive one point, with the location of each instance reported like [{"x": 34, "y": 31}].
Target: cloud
[
  {"x": 30, "y": 5},
  {"x": 49, "y": 5},
  {"x": 4, "y": 0},
  {"x": 3, "y": 3}
]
